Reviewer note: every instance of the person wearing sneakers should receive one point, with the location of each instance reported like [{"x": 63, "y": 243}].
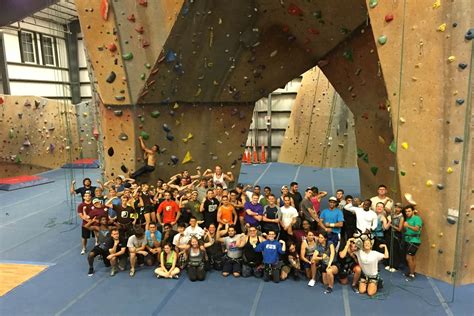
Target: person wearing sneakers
[
  {"x": 136, "y": 248},
  {"x": 112, "y": 250},
  {"x": 395, "y": 240},
  {"x": 167, "y": 268},
  {"x": 332, "y": 220},
  {"x": 83, "y": 210},
  {"x": 347, "y": 264},
  {"x": 308, "y": 247},
  {"x": 412, "y": 225},
  {"x": 103, "y": 233}
]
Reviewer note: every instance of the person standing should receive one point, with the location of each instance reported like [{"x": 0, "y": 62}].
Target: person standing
[
  {"x": 366, "y": 218},
  {"x": 412, "y": 225},
  {"x": 83, "y": 211},
  {"x": 332, "y": 221},
  {"x": 307, "y": 212},
  {"x": 295, "y": 195},
  {"x": 382, "y": 197},
  {"x": 170, "y": 210},
  {"x": 209, "y": 208},
  {"x": 395, "y": 240},
  {"x": 288, "y": 218},
  {"x": 271, "y": 216},
  {"x": 226, "y": 213},
  {"x": 253, "y": 212}
]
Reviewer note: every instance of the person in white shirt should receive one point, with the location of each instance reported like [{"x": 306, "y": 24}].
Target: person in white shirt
[
  {"x": 366, "y": 218},
  {"x": 368, "y": 260},
  {"x": 289, "y": 214},
  {"x": 382, "y": 197},
  {"x": 193, "y": 230}
]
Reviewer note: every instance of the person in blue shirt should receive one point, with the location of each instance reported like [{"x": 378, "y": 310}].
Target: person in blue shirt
[
  {"x": 331, "y": 221},
  {"x": 271, "y": 250},
  {"x": 153, "y": 244}
]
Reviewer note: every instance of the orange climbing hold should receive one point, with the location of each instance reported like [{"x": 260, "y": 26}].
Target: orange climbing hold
[
  {"x": 104, "y": 9},
  {"x": 293, "y": 9}
]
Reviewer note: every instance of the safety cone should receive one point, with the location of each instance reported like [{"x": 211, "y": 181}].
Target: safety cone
[
  {"x": 246, "y": 157},
  {"x": 263, "y": 158},
  {"x": 255, "y": 154}
]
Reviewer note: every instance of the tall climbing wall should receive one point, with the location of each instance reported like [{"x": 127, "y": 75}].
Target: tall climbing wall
[
  {"x": 426, "y": 55},
  {"x": 88, "y": 128},
  {"x": 37, "y": 131},
  {"x": 320, "y": 131}
]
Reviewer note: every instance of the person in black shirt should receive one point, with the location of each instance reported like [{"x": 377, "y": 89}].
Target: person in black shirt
[
  {"x": 252, "y": 260},
  {"x": 126, "y": 216},
  {"x": 349, "y": 226},
  {"x": 87, "y": 186},
  {"x": 111, "y": 250},
  {"x": 295, "y": 195},
  {"x": 347, "y": 264},
  {"x": 209, "y": 207},
  {"x": 168, "y": 234},
  {"x": 271, "y": 216}
]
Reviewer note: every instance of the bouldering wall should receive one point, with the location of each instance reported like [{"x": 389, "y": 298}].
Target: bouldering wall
[
  {"x": 353, "y": 69},
  {"x": 426, "y": 55},
  {"x": 37, "y": 131},
  {"x": 321, "y": 128},
  {"x": 88, "y": 129}
]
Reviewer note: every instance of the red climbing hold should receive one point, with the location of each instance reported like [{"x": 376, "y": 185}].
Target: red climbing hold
[
  {"x": 313, "y": 31},
  {"x": 2, "y": 100},
  {"x": 95, "y": 132},
  {"x": 140, "y": 29},
  {"x": 285, "y": 28},
  {"x": 112, "y": 47},
  {"x": 293, "y": 9},
  {"x": 131, "y": 18},
  {"x": 104, "y": 9},
  {"x": 145, "y": 43},
  {"x": 143, "y": 3},
  {"x": 389, "y": 18}
]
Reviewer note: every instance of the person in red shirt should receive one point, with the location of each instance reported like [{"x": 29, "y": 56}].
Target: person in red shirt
[
  {"x": 83, "y": 211},
  {"x": 170, "y": 210}
]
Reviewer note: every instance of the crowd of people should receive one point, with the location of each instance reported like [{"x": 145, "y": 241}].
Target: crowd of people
[{"x": 201, "y": 222}]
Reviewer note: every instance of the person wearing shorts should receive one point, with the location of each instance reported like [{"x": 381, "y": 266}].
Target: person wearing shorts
[
  {"x": 368, "y": 260},
  {"x": 412, "y": 225},
  {"x": 348, "y": 265}
]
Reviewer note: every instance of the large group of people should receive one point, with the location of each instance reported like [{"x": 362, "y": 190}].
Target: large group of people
[{"x": 202, "y": 222}]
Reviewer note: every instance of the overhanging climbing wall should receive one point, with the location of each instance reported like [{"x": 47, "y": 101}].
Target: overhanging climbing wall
[
  {"x": 320, "y": 131},
  {"x": 38, "y": 131},
  {"x": 426, "y": 54}
]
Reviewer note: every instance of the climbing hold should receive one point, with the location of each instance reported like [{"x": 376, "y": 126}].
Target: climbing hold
[
  {"x": 389, "y": 18},
  {"x": 143, "y": 3},
  {"x": 451, "y": 59},
  {"x": 458, "y": 139},
  {"x": 439, "y": 186},
  {"x": 456, "y": 162},
  {"x": 11, "y": 133},
  {"x": 140, "y": 29},
  {"x": 440, "y": 251},
  {"x": 27, "y": 103},
  {"x": 373, "y": 3},
  {"x": 51, "y": 148},
  {"x": 170, "y": 56},
  {"x": 176, "y": 105},
  {"x": 104, "y": 9},
  {"x": 169, "y": 137},
  {"x": 460, "y": 101},
  {"x": 128, "y": 56},
  {"x": 402, "y": 173},
  {"x": 374, "y": 170},
  {"x": 187, "y": 158},
  {"x": 144, "y": 135},
  {"x": 155, "y": 114},
  {"x": 441, "y": 234},
  {"x": 2, "y": 100},
  {"x": 382, "y": 39},
  {"x": 462, "y": 65},
  {"x": 124, "y": 168},
  {"x": 112, "y": 47},
  {"x": 142, "y": 76},
  {"x": 174, "y": 159},
  {"x": 451, "y": 220},
  {"x": 27, "y": 143},
  {"x": 469, "y": 34},
  {"x": 118, "y": 112},
  {"x": 402, "y": 120},
  {"x": 198, "y": 92},
  {"x": 110, "y": 151},
  {"x": 433, "y": 245},
  {"x": 409, "y": 198},
  {"x": 166, "y": 128},
  {"x": 131, "y": 18},
  {"x": 441, "y": 28},
  {"x": 123, "y": 136},
  {"x": 436, "y": 4},
  {"x": 429, "y": 183},
  {"x": 405, "y": 145},
  {"x": 18, "y": 159},
  {"x": 111, "y": 77},
  {"x": 381, "y": 140},
  {"x": 347, "y": 54},
  {"x": 295, "y": 10},
  {"x": 95, "y": 133},
  {"x": 449, "y": 170}
]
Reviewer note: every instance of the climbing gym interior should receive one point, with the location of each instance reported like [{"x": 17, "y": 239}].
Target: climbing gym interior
[{"x": 347, "y": 95}]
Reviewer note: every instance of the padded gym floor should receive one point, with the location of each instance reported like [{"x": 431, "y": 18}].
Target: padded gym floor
[{"x": 40, "y": 258}]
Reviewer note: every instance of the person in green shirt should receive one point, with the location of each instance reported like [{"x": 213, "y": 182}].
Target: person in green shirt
[
  {"x": 193, "y": 205},
  {"x": 412, "y": 225}
]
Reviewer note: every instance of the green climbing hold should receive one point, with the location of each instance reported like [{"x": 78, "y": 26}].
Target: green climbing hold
[
  {"x": 374, "y": 170},
  {"x": 382, "y": 40},
  {"x": 155, "y": 114},
  {"x": 144, "y": 135},
  {"x": 373, "y": 3},
  {"x": 142, "y": 76},
  {"x": 128, "y": 56},
  {"x": 142, "y": 119},
  {"x": 147, "y": 66},
  {"x": 402, "y": 173},
  {"x": 348, "y": 55},
  {"x": 365, "y": 158},
  {"x": 317, "y": 14},
  {"x": 18, "y": 159},
  {"x": 360, "y": 153},
  {"x": 11, "y": 133},
  {"x": 393, "y": 147}
]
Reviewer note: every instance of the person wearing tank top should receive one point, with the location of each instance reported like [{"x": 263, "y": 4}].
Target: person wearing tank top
[
  {"x": 218, "y": 177},
  {"x": 308, "y": 247},
  {"x": 168, "y": 268},
  {"x": 252, "y": 263},
  {"x": 196, "y": 256}
]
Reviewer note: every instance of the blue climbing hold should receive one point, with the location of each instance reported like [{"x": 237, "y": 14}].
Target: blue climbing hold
[
  {"x": 460, "y": 101},
  {"x": 166, "y": 128},
  {"x": 169, "y": 137},
  {"x": 170, "y": 56},
  {"x": 469, "y": 34},
  {"x": 462, "y": 65},
  {"x": 174, "y": 159}
]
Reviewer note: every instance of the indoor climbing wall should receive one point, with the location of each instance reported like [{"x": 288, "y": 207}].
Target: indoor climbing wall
[
  {"x": 426, "y": 53},
  {"x": 88, "y": 128},
  {"x": 321, "y": 127},
  {"x": 37, "y": 131},
  {"x": 353, "y": 69}
]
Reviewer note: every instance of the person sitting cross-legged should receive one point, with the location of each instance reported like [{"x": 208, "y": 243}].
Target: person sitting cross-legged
[{"x": 167, "y": 268}]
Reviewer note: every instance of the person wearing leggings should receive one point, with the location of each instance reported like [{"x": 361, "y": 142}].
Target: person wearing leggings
[{"x": 196, "y": 257}]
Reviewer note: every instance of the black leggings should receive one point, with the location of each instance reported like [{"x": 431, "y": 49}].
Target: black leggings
[
  {"x": 142, "y": 170},
  {"x": 196, "y": 273},
  {"x": 271, "y": 272}
]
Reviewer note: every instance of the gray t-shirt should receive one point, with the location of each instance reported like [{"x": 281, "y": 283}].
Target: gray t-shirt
[
  {"x": 233, "y": 251},
  {"x": 304, "y": 206},
  {"x": 133, "y": 241}
]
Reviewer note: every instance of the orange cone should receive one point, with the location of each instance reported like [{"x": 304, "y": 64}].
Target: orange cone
[
  {"x": 246, "y": 157},
  {"x": 263, "y": 158},
  {"x": 255, "y": 155}
]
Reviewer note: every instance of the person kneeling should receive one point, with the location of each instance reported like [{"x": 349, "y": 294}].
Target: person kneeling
[
  {"x": 368, "y": 260},
  {"x": 271, "y": 250},
  {"x": 195, "y": 257},
  {"x": 325, "y": 254},
  {"x": 168, "y": 267}
]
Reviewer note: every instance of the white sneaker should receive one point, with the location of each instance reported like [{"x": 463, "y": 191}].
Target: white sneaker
[
  {"x": 387, "y": 268},
  {"x": 311, "y": 282},
  {"x": 83, "y": 251},
  {"x": 393, "y": 270}
]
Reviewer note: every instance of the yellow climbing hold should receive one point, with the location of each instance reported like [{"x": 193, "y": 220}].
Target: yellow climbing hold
[
  {"x": 198, "y": 92},
  {"x": 449, "y": 170},
  {"x": 402, "y": 120},
  {"x": 442, "y": 27},
  {"x": 187, "y": 158},
  {"x": 188, "y": 138},
  {"x": 451, "y": 58},
  {"x": 441, "y": 234},
  {"x": 433, "y": 245},
  {"x": 429, "y": 183},
  {"x": 381, "y": 140},
  {"x": 176, "y": 105},
  {"x": 405, "y": 145},
  {"x": 437, "y": 4}
]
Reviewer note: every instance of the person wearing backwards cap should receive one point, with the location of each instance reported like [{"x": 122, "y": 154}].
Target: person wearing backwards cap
[{"x": 331, "y": 220}]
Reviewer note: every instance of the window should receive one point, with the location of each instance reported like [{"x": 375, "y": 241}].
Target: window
[
  {"x": 47, "y": 48},
  {"x": 27, "y": 46}
]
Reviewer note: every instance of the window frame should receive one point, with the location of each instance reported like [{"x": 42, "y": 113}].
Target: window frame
[
  {"x": 22, "y": 49},
  {"x": 53, "y": 50}
]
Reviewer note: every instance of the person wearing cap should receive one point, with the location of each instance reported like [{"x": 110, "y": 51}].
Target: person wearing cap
[
  {"x": 331, "y": 221},
  {"x": 316, "y": 198},
  {"x": 307, "y": 211},
  {"x": 97, "y": 210},
  {"x": 395, "y": 240},
  {"x": 382, "y": 197}
]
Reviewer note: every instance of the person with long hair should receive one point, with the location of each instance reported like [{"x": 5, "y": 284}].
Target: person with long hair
[
  {"x": 196, "y": 257},
  {"x": 396, "y": 239},
  {"x": 308, "y": 247},
  {"x": 325, "y": 255},
  {"x": 291, "y": 263},
  {"x": 368, "y": 260},
  {"x": 252, "y": 259},
  {"x": 347, "y": 264},
  {"x": 168, "y": 268}
]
